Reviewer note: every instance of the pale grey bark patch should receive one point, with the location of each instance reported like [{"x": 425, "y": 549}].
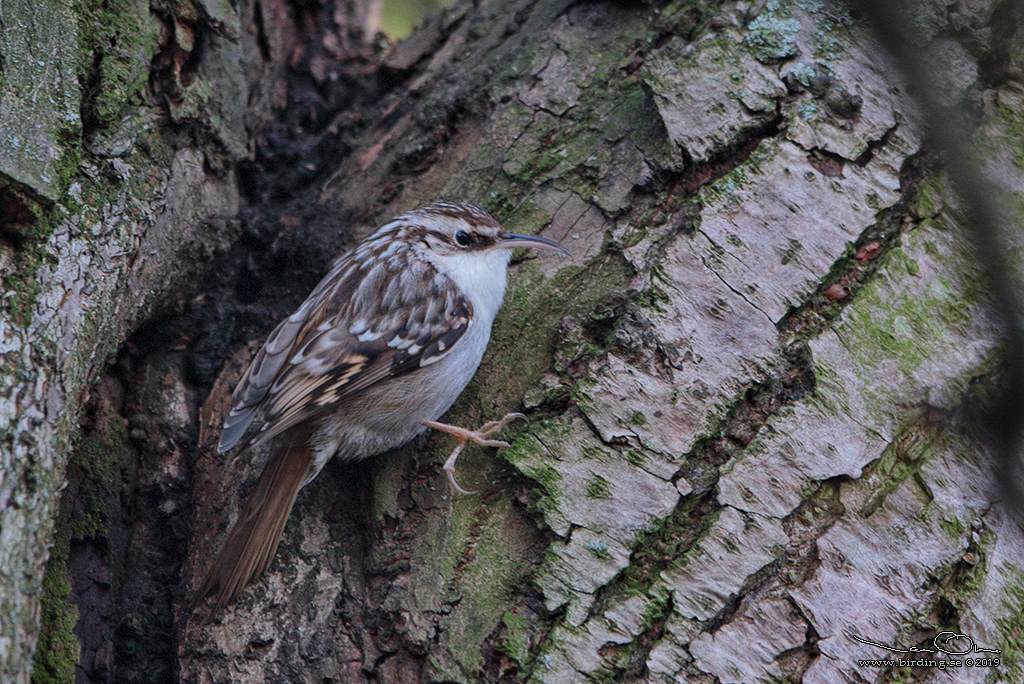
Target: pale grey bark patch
[
  {"x": 875, "y": 563},
  {"x": 715, "y": 653},
  {"x": 769, "y": 239},
  {"x": 595, "y": 503},
  {"x": 709, "y": 94}
]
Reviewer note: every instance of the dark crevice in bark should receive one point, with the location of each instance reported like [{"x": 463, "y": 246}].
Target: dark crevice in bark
[
  {"x": 796, "y": 661},
  {"x": 862, "y": 259},
  {"x": 133, "y": 489},
  {"x": 125, "y": 577},
  {"x": 328, "y": 96},
  {"x": 20, "y": 209},
  {"x": 628, "y": 662},
  {"x": 90, "y": 83},
  {"x": 805, "y": 525},
  {"x": 831, "y": 164},
  {"x": 668, "y": 544},
  {"x": 91, "y": 515},
  {"x": 699, "y": 173},
  {"x": 176, "y": 62},
  {"x": 815, "y": 515},
  {"x": 873, "y": 146}
]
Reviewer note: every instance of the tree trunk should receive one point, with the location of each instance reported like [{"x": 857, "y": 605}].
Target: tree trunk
[
  {"x": 124, "y": 127},
  {"x": 753, "y": 387}
]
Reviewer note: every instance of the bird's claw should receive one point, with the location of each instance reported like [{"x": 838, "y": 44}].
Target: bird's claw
[
  {"x": 480, "y": 436},
  {"x": 455, "y": 485}
]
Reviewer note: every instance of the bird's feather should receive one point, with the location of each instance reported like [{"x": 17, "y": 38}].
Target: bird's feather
[
  {"x": 253, "y": 539},
  {"x": 357, "y": 328}
]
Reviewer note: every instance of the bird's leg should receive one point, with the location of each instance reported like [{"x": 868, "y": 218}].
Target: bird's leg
[{"x": 481, "y": 436}]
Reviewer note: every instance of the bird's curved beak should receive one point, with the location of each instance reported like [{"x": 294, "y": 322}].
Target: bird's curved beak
[{"x": 517, "y": 240}]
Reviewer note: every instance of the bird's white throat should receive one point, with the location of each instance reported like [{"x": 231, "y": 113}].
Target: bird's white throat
[{"x": 481, "y": 275}]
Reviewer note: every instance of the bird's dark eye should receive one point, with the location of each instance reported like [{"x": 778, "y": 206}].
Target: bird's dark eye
[{"x": 462, "y": 239}]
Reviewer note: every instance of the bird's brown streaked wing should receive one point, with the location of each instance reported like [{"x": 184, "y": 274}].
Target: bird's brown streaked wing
[
  {"x": 381, "y": 329},
  {"x": 253, "y": 386},
  {"x": 272, "y": 358}
]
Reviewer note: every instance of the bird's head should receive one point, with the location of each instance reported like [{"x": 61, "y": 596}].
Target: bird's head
[{"x": 453, "y": 230}]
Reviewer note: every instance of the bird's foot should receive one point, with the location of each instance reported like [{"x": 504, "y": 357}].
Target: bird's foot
[{"x": 481, "y": 436}]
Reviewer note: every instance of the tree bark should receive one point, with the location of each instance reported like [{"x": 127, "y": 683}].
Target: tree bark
[
  {"x": 752, "y": 388},
  {"x": 124, "y": 127}
]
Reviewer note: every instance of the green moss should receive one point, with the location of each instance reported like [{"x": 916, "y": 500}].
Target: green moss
[
  {"x": 1013, "y": 119},
  {"x": 929, "y": 199},
  {"x": 58, "y": 649},
  {"x": 953, "y": 527},
  {"x": 625, "y": 662},
  {"x": 95, "y": 473},
  {"x": 1011, "y": 623},
  {"x": 515, "y": 642},
  {"x": 902, "y": 458},
  {"x": 547, "y": 477},
  {"x": 902, "y": 330},
  {"x": 901, "y": 323},
  {"x": 636, "y": 457},
  {"x": 598, "y": 488},
  {"x": 23, "y": 281},
  {"x": 673, "y": 539},
  {"x": 655, "y": 611},
  {"x": 656, "y": 296},
  {"x": 531, "y": 454},
  {"x": 117, "y": 39},
  {"x": 99, "y": 461},
  {"x": 483, "y": 560},
  {"x": 968, "y": 571}
]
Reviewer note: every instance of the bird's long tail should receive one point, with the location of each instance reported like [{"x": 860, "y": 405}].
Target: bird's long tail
[{"x": 253, "y": 540}]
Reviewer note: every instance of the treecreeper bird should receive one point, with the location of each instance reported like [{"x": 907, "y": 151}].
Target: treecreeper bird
[{"x": 379, "y": 350}]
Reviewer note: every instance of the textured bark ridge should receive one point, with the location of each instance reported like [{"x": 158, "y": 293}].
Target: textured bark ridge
[{"x": 753, "y": 388}]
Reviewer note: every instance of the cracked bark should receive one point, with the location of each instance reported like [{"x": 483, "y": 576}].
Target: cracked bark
[{"x": 729, "y": 466}]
